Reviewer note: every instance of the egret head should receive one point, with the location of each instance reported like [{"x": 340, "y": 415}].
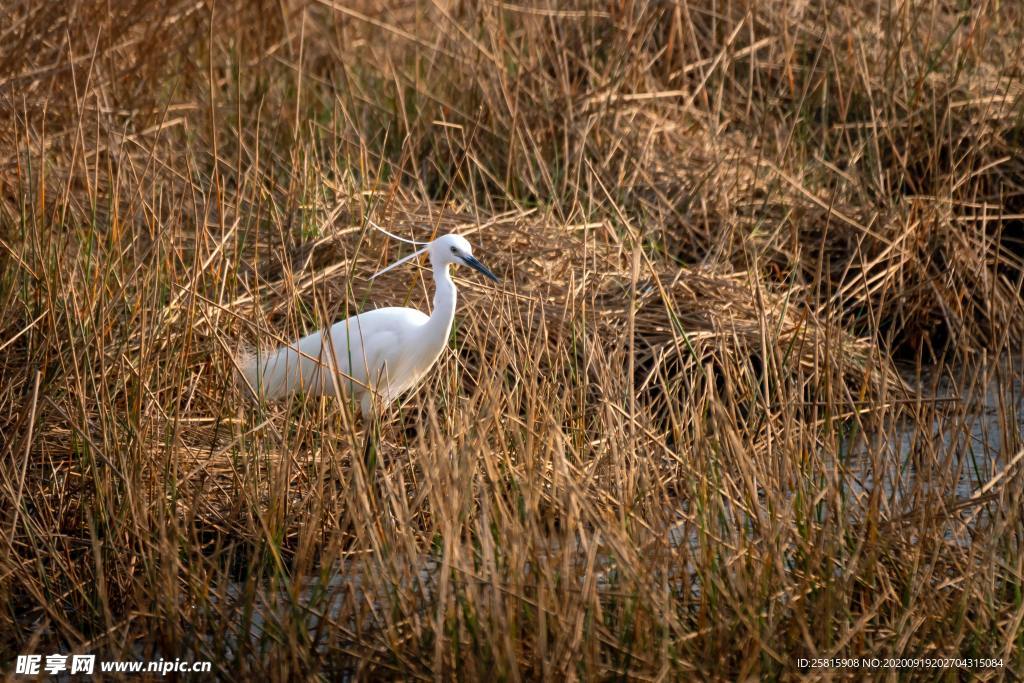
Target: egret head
[
  {"x": 456, "y": 249},
  {"x": 443, "y": 251}
]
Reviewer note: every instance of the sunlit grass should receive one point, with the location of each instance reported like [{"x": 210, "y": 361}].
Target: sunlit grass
[{"x": 760, "y": 269}]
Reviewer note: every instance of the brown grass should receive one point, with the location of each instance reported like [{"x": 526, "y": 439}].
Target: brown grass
[{"x": 702, "y": 429}]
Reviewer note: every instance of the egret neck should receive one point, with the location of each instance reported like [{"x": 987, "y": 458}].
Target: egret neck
[{"x": 439, "y": 326}]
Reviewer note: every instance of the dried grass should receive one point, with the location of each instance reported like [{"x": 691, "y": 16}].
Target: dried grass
[{"x": 665, "y": 447}]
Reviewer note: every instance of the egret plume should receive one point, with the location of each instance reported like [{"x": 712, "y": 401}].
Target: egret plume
[
  {"x": 394, "y": 236},
  {"x": 400, "y": 239},
  {"x": 399, "y": 262}
]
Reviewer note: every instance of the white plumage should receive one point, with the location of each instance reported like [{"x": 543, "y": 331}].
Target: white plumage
[{"x": 378, "y": 354}]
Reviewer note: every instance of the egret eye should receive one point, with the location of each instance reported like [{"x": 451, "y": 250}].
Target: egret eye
[{"x": 454, "y": 250}]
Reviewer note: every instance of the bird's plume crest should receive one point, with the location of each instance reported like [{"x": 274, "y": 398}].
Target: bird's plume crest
[
  {"x": 398, "y": 263},
  {"x": 394, "y": 236},
  {"x": 401, "y": 260}
]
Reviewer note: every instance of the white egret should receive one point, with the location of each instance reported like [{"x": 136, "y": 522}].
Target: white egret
[{"x": 377, "y": 354}]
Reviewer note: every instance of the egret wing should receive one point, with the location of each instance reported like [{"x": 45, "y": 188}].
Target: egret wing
[{"x": 366, "y": 344}]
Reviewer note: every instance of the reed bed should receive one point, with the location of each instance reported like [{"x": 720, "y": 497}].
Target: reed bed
[{"x": 762, "y": 270}]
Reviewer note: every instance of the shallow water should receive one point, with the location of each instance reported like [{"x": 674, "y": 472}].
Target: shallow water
[{"x": 976, "y": 427}]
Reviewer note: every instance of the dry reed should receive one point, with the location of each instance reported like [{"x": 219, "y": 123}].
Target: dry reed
[{"x": 700, "y": 430}]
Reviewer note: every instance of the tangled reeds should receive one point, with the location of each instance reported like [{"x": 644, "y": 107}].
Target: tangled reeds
[{"x": 762, "y": 286}]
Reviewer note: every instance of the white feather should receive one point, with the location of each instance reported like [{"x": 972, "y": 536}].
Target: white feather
[
  {"x": 398, "y": 263},
  {"x": 393, "y": 235}
]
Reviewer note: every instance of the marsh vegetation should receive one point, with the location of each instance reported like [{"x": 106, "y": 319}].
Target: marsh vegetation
[{"x": 761, "y": 274}]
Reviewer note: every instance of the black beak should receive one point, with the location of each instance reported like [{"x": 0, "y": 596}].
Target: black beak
[{"x": 476, "y": 265}]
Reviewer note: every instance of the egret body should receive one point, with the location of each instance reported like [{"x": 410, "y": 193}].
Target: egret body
[{"x": 380, "y": 353}]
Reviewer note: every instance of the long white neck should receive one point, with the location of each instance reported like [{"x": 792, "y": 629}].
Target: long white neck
[{"x": 439, "y": 326}]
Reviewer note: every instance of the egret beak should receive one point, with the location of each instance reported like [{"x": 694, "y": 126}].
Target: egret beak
[{"x": 476, "y": 265}]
